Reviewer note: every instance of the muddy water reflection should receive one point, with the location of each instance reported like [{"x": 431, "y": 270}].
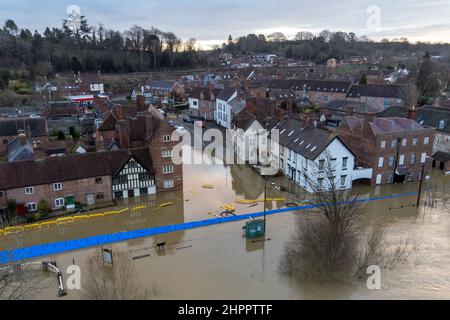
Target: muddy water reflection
[{"x": 217, "y": 263}]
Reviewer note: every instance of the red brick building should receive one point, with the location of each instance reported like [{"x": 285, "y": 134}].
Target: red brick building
[
  {"x": 89, "y": 178},
  {"x": 396, "y": 148}
]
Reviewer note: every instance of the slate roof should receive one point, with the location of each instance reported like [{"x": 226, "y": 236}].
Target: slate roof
[
  {"x": 161, "y": 85},
  {"x": 303, "y": 139},
  {"x": 237, "y": 105},
  {"x": 441, "y": 156},
  {"x": 109, "y": 123},
  {"x": 10, "y": 127},
  {"x": 427, "y": 116},
  {"x": 226, "y": 94},
  {"x": 197, "y": 92},
  {"x": 341, "y": 106},
  {"x": 312, "y": 85},
  {"x": 244, "y": 120},
  {"x": 378, "y": 90},
  {"x": 68, "y": 168},
  {"x": 18, "y": 151}
]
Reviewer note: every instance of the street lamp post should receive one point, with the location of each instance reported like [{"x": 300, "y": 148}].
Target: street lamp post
[
  {"x": 265, "y": 199},
  {"x": 422, "y": 175},
  {"x": 420, "y": 185}
]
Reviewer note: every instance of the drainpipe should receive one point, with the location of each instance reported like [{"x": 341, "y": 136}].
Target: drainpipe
[{"x": 399, "y": 141}]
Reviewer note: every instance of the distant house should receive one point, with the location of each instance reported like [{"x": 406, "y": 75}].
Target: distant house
[
  {"x": 316, "y": 91},
  {"x": 35, "y": 129},
  {"x": 202, "y": 102},
  {"x": 162, "y": 90},
  {"x": 223, "y": 112},
  {"x": 378, "y": 96}
]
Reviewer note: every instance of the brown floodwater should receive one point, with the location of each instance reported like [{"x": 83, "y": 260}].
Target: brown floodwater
[{"x": 218, "y": 263}]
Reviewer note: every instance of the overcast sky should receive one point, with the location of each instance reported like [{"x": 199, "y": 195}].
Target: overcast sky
[{"x": 211, "y": 21}]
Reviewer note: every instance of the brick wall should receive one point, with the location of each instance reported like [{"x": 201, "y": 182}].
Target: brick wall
[
  {"x": 77, "y": 188},
  {"x": 157, "y": 146}
]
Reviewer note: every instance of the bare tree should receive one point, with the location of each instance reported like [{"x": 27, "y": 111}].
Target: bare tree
[
  {"x": 327, "y": 243},
  {"x": 116, "y": 282}
]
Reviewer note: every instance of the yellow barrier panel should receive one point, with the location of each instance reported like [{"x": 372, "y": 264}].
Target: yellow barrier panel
[
  {"x": 165, "y": 204},
  {"x": 2, "y": 232},
  {"x": 10, "y": 230},
  {"x": 48, "y": 224},
  {"x": 64, "y": 220},
  {"x": 122, "y": 211},
  {"x": 95, "y": 216},
  {"x": 31, "y": 227},
  {"x": 80, "y": 218},
  {"x": 111, "y": 213},
  {"x": 139, "y": 208}
]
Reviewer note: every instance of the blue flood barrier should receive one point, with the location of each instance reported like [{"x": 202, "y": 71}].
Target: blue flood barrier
[{"x": 48, "y": 249}]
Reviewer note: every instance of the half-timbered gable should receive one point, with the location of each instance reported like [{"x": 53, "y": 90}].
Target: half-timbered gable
[{"x": 133, "y": 179}]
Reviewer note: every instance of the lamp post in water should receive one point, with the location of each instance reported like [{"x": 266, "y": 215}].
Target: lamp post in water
[{"x": 422, "y": 174}]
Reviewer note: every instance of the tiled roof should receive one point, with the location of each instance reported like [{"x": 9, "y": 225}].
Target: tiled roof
[
  {"x": 428, "y": 116},
  {"x": 306, "y": 140},
  {"x": 161, "y": 85},
  {"x": 441, "y": 156},
  {"x": 226, "y": 94},
  {"x": 10, "y": 127},
  {"x": 378, "y": 90},
  {"x": 68, "y": 168},
  {"x": 312, "y": 85}
]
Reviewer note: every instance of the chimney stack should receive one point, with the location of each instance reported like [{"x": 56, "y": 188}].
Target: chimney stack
[
  {"x": 349, "y": 111},
  {"x": 412, "y": 113},
  {"x": 38, "y": 150},
  {"x": 140, "y": 102},
  {"x": 124, "y": 134},
  {"x": 22, "y": 137}
]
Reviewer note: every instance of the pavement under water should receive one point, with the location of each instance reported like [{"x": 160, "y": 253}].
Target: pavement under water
[{"x": 218, "y": 263}]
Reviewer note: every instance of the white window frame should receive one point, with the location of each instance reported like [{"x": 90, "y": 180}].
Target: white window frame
[
  {"x": 401, "y": 160},
  {"x": 59, "y": 202},
  {"x": 423, "y": 158},
  {"x": 33, "y": 204},
  {"x": 383, "y": 144},
  {"x": 168, "y": 184},
  {"x": 426, "y": 140},
  {"x": 168, "y": 169},
  {"x": 29, "y": 193},
  {"x": 404, "y": 142},
  {"x": 167, "y": 138},
  {"x": 167, "y": 154},
  {"x": 56, "y": 185},
  {"x": 380, "y": 162}
]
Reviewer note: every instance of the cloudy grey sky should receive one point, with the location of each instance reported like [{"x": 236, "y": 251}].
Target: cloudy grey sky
[{"x": 211, "y": 21}]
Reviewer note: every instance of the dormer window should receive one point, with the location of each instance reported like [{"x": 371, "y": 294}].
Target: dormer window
[{"x": 441, "y": 125}]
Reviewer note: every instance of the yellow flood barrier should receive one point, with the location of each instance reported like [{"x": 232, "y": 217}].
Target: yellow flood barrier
[
  {"x": 80, "y": 218},
  {"x": 96, "y": 215},
  {"x": 2, "y": 232},
  {"x": 48, "y": 224},
  {"x": 31, "y": 227},
  {"x": 10, "y": 230},
  {"x": 64, "y": 220},
  {"x": 229, "y": 207},
  {"x": 111, "y": 213},
  {"x": 139, "y": 208},
  {"x": 165, "y": 204},
  {"x": 207, "y": 186},
  {"x": 122, "y": 211}
]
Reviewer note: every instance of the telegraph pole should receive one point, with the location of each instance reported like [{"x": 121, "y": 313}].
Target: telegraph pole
[{"x": 420, "y": 185}]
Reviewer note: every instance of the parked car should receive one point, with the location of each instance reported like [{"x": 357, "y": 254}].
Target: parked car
[{"x": 188, "y": 119}]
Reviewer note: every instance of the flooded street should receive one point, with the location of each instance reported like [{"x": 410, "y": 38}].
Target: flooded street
[{"x": 216, "y": 262}]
